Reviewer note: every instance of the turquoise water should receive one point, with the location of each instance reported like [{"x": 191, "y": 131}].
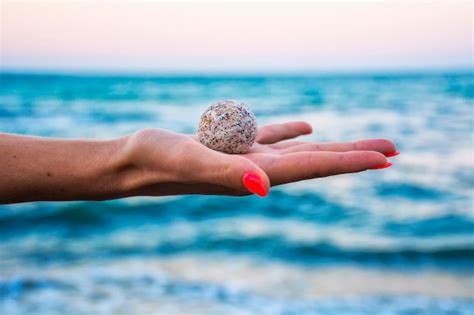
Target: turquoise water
[{"x": 397, "y": 241}]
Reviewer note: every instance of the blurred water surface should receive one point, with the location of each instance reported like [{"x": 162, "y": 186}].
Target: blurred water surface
[{"x": 398, "y": 241}]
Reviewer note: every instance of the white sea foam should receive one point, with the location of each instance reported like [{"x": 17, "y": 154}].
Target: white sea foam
[{"x": 220, "y": 283}]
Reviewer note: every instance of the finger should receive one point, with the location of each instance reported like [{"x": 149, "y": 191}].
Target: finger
[
  {"x": 379, "y": 145},
  {"x": 277, "y": 132},
  {"x": 286, "y": 144},
  {"x": 170, "y": 189},
  {"x": 237, "y": 172},
  {"x": 232, "y": 171},
  {"x": 306, "y": 165}
]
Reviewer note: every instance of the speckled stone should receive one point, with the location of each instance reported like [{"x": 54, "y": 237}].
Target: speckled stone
[{"x": 228, "y": 126}]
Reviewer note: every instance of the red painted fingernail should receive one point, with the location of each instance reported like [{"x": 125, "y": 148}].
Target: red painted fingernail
[
  {"x": 388, "y": 164},
  {"x": 254, "y": 184},
  {"x": 390, "y": 154}
]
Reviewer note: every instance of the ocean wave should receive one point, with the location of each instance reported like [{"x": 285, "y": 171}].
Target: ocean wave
[
  {"x": 299, "y": 240},
  {"x": 239, "y": 286}
]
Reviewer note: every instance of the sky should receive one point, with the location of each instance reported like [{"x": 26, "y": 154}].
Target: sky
[{"x": 153, "y": 36}]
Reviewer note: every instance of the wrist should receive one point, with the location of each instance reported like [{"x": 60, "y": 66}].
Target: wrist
[
  {"x": 148, "y": 162},
  {"x": 123, "y": 173},
  {"x": 129, "y": 162}
]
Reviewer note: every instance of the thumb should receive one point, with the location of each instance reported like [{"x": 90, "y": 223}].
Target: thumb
[{"x": 239, "y": 173}]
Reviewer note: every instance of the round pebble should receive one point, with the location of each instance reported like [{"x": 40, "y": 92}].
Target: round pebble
[{"x": 228, "y": 126}]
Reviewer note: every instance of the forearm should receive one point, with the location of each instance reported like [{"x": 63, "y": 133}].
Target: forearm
[{"x": 34, "y": 169}]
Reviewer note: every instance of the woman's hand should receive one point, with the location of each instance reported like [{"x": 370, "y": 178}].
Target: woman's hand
[
  {"x": 155, "y": 162},
  {"x": 167, "y": 163}
]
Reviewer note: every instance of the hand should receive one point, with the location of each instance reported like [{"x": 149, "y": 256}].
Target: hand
[
  {"x": 157, "y": 162},
  {"x": 167, "y": 163}
]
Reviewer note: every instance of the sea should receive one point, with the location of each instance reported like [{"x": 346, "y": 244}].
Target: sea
[{"x": 393, "y": 241}]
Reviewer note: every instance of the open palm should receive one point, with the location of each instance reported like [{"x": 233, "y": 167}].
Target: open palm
[{"x": 180, "y": 164}]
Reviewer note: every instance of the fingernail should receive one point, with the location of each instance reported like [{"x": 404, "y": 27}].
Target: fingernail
[
  {"x": 379, "y": 167},
  {"x": 390, "y": 154},
  {"x": 254, "y": 184}
]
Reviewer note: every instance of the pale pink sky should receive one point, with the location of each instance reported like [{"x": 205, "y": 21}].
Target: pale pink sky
[{"x": 151, "y": 36}]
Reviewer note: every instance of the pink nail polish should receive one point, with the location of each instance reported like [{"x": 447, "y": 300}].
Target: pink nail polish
[
  {"x": 379, "y": 167},
  {"x": 390, "y": 154},
  {"x": 254, "y": 184}
]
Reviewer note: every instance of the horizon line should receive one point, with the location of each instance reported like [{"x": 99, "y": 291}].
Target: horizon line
[{"x": 152, "y": 73}]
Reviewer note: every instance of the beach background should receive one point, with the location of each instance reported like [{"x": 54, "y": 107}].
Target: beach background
[{"x": 395, "y": 241}]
